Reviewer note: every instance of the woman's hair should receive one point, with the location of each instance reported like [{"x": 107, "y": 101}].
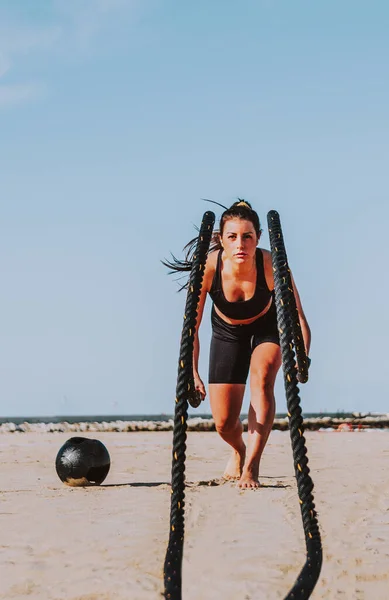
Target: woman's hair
[{"x": 239, "y": 210}]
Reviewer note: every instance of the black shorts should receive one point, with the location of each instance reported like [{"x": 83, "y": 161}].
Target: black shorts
[{"x": 232, "y": 345}]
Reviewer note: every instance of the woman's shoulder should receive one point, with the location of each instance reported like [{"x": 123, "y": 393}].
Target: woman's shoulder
[
  {"x": 267, "y": 259},
  {"x": 267, "y": 267},
  {"x": 212, "y": 259},
  {"x": 211, "y": 263},
  {"x": 266, "y": 254},
  {"x": 210, "y": 267}
]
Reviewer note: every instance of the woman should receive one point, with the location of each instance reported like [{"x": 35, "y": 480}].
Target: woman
[{"x": 238, "y": 277}]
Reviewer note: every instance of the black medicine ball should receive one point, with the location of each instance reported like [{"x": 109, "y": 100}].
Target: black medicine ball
[{"x": 82, "y": 461}]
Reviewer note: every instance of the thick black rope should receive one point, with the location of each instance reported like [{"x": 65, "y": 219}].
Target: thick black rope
[
  {"x": 184, "y": 392},
  {"x": 298, "y": 340},
  {"x": 287, "y": 316}
]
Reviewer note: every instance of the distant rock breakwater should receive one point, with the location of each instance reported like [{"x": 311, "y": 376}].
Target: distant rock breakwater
[{"x": 357, "y": 423}]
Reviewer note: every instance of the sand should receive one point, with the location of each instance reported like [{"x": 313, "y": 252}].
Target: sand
[{"x": 109, "y": 542}]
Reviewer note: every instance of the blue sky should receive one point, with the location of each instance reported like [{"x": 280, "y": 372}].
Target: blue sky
[{"x": 116, "y": 117}]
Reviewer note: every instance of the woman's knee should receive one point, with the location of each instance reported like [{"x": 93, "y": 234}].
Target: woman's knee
[
  {"x": 226, "y": 425},
  {"x": 263, "y": 381}
]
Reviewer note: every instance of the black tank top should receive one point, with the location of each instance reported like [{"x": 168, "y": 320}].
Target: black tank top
[{"x": 243, "y": 309}]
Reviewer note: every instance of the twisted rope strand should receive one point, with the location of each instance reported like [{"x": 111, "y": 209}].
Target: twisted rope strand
[
  {"x": 184, "y": 392},
  {"x": 290, "y": 337}
]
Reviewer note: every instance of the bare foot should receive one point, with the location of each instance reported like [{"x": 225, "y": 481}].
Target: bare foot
[
  {"x": 249, "y": 478},
  {"x": 235, "y": 465}
]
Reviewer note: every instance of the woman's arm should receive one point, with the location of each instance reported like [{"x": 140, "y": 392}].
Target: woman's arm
[
  {"x": 196, "y": 341},
  {"x": 305, "y": 329},
  {"x": 206, "y": 286},
  {"x": 207, "y": 280}
]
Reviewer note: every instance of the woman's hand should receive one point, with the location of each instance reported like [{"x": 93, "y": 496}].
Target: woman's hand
[
  {"x": 199, "y": 386},
  {"x": 298, "y": 376}
]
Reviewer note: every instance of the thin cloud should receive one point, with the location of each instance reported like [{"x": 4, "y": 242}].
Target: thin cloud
[
  {"x": 5, "y": 65},
  {"x": 84, "y": 20},
  {"x": 74, "y": 28},
  {"x": 16, "y": 39},
  {"x": 16, "y": 42},
  {"x": 18, "y": 93}
]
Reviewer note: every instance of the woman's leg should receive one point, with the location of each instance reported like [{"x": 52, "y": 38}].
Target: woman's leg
[
  {"x": 226, "y": 404},
  {"x": 229, "y": 363},
  {"x": 265, "y": 363}
]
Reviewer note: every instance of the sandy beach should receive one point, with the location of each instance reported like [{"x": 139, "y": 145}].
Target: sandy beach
[{"x": 109, "y": 542}]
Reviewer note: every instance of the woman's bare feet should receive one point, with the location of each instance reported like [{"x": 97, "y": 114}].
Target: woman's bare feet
[
  {"x": 249, "y": 477},
  {"x": 235, "y": 464}
]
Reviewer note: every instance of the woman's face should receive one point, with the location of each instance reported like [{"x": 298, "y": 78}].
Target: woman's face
[{"x": 239, "y": 240}]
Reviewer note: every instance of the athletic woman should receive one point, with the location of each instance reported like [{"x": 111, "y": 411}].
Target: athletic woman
[{"x": 238, "y": 277}]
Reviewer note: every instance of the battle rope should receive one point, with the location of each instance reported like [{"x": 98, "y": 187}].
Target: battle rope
[
  {"x": 184, "y": 392},
  {"x": 290, "y": 337}
]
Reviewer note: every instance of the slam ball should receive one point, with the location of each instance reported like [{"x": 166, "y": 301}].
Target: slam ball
[{"x": 82, "y": 461}]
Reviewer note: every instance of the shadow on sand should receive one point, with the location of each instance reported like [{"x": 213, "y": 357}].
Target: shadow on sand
[{"x": 195, "y": 484}]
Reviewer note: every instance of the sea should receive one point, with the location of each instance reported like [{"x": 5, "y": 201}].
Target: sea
[{"x": 154, "y": 418}]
